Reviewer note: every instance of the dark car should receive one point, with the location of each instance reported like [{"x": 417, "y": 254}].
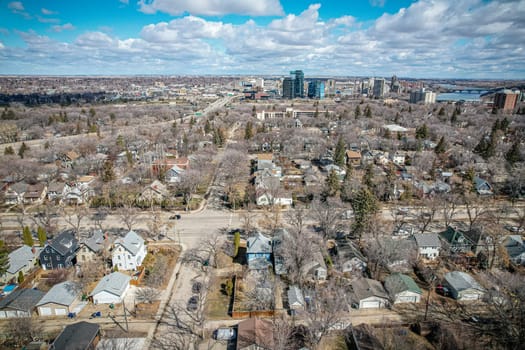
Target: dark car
[
  {"x": 192, "y": 303},
  {"x": 175, "y": 217},
  {"x": 442, "y": 290},
  {"x": 196, "y": 288}
]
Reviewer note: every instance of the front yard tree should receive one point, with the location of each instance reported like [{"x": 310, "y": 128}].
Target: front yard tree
[
  {"x": 441, "y": 146},
  {"x": 340, "y": 153},
  {"x": 248, "y": 131},
  {"x": 27, "y": 237},
  {"x": 332, "y": 184},
  {"x": 42, "y": 236},
  {"x": 327, "y": 214},
  {"x": 513, "y": 155},
  {"x": 365, "y": 206},
  {"x": 108, "y": 174}
]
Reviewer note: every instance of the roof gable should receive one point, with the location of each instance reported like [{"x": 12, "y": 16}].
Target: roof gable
[
  {"x": 63, "y": 293},
  {"x": 76, "y": 336},
  {"x": 19, "y": 258},
  {"x": 22, "y": 299},
  {"x": 115, "y": 283},
  {"x": 65, "y": 243},
  {"x": 131, "y": 242}
]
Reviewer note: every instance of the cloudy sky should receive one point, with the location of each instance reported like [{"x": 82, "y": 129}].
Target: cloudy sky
[{"x": 424, "y": 38}]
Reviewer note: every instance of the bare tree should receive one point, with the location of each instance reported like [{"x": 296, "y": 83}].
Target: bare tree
[
  {"x": 475, "y": 207},
  {"x": 146, "y": 295},
  {"x": 23, "y": 330},
  {"x": 297, "y": 219},
  {"x": 248, "y": 217},
  {"x": 74, "y": 217},
  {"x": 188, "y": 184},
  {"x": 128, "y": 215},
  {"x": 327, "y": 216}
]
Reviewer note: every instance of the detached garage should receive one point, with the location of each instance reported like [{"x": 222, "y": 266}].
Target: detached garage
[
  {"x": 402, "y": 289},
  {"x": 368, "y": 294},
  {"x": 60, "y": 300},
  {"x": 20, "y": 303},
  {"x": 111, "y": 289}
]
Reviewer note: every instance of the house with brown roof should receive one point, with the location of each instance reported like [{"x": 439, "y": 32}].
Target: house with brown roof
[
  {"x": 353, "y": 158},
  {"x": 255, "y": 334},
  {"x": 35, "y": 193}
]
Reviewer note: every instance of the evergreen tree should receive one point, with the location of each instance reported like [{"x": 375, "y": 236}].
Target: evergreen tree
[
  {"x": 27, "y": 238},
  {"x": 207, "y": 127},
  {"x": 4, "y": 258},
  {"x": 441, "y": 146},
  {"x": 20, "y": 278},
  {"x": 368, "y": 177},
  {"x": 357, "y": 112},
  {"x": 441, "y": 111},
  {"x": 346, "y": 187},
  {"x": 108, "y": 174},
  {"x": 368, "y": 111},
  {"x": 129, "y": 157},
  {"x": 120, "y": 141},
  {"x": 22, "y": 150},
  {"x": 504, "y": 125},
  {"x": 9, "y": 151},
  {"x": 454, "y": 117},
  {"x": 422, "y": 132},
  {"x": 340, "y": 153},
  {"x": 42, "y": 236},
  {"x": 248, "y": 131},
  {"x": 387, "y": 134},
  {"x": 332, "y": 184},
  {"x": 486, "y": 146},
  {"x": 364, "y": 205},
  {"x": 513, "y": 155}
]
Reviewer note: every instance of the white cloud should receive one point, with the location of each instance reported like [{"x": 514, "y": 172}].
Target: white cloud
[
  {"x": 438, "y": 38},
  {"x": 124, "y": 1},
  {"x": 16, "y": 6},
  {"x": 213, "y": 7},
  {"x": 2, "y": 46},
  {"x": 48, "y": 12},
  {"x": 62, "y": 27}
]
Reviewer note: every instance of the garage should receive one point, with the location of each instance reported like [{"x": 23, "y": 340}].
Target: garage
[
  {"x": 60, "y": 312},
  {"x": 45, "y": 311},
  {"x": 370, "y": 304},
  {"x": 407, "y": 299}
]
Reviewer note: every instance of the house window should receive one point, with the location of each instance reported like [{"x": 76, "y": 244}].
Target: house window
[
  {"x": 119, "y": 257},
  {"x": 58, "y": 257},
  {"x": 48, "y": 265},
  {"x": 60, "y": 266},
  {"x": 129, "y": 256},
  {"x": 46, "y": 258}
]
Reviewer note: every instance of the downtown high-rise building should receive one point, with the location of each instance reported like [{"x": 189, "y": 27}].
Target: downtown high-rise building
[
  {"x": 288, "y": 88},
  {"x": 379, "y": 87},
  {"x": 293, "y": 86},
  {"x": 506, "y": 100},
  {"x": 422, "y": 95},
  {"x": 316, "y": 89}
]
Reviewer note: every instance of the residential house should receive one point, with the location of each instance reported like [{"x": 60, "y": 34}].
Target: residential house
[
  {"x": 515, "y": 248},
  {"x": 456, "y": 241},
  {"x": 20, "y": 303},
  {"x": 35, "y": 193},
  {"x": 78, "y": 336},
  {"x": 174, "y": 174},
  {"x": 402, "y": 288},
  {"x": 14, "y": 194},
  {"x": 22, "y": 260},
  {"x": 295, "y": 299},
  {"x": 368, "y": 294},
  {"x": 315, "y": 267},
  {"x": 353, "y": 158},
  {"x": 154, "y": 192},
  {"x": 61, "y": 252},
  {"x": 93, "y": 246},
  {"x": 463, "y": 286},
  {"x": 61, "y": 299},
  {"x": 397, "y": 158},
  {"x": 68, "y": 159},
  {"x": 348, "y": 258},
  {"x": 111, "y": 289},
  {"x": 56, "y": 190},
  {"x": 264, "y": 160},
  {"x": 129, "y": 252},
  {"x": 255, "y": 334},
  {"x": 259, "y": 251},
  {"x": 281, "y": 198},
  {"x": 483, "y": 187},
  {"x": 428, "y": 245}
]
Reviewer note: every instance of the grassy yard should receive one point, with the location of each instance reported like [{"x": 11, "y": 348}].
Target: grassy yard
[{"x": 218, "y": 302}]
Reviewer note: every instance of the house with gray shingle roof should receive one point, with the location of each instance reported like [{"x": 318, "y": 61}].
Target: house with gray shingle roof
[
  {"x": 463, "y": 286},
  {"x": 367, "y": 293},
  {"x": 129, "y": 252},
  {"x": 402, "y": 288},
  {"x": 428, "y": 245},
  {"x": 93, "y": 246},
  {"x": 78, "y": 336},
  {"x": 515, "y": 248},
  {"x": 259, "y": 251},
  {"x": 21, "y": 259},
  {"x": 60, "y": 253},
  {"x": 61, "y": 299},
  {"x": 111, "y": 289},
  {"x": 295, "y": 298},
  {"x": 20, "y": 303}
]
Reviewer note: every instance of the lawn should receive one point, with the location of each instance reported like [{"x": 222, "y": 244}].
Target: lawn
[{"x": 218, "y": 303}]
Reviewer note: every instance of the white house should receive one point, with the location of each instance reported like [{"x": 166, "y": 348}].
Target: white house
[
  {"x": 463, "y": 286},
  {"x": 264, "y": 198},
  {"x": 129, "y": 252},
  {"x": 111, "y": 289},
  {"x": 173, "y": 175},
  {"x": 397, "y": 158},
  {"x": 428, "y": 245},
  {"x": 402, "y": 289}
]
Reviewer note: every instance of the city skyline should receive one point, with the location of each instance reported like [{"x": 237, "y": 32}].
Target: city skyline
[{"x": 470, "y": 39}]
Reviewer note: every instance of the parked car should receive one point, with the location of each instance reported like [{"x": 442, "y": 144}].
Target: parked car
[
  {"x": 175, "y": 217},
  {"x": 444, "y": 291},
  {"x": 196, "y": 288},
  {"x": 515, "y": 229},
  {"x": 192, "y": 303}
]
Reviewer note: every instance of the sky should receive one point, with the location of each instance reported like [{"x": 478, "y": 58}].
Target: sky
[{"x": 476, "y": 39}]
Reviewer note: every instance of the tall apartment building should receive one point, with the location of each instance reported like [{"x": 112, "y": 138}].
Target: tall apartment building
[
  {"x": 316, "y": 89},
  {"x": 422, "y": 95},
  {"x": 506, "y": 100},
  {"x": 288, "y": 88},
  {"x": 379, "y": 88},
  {"x": 298, "y": 83}
]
